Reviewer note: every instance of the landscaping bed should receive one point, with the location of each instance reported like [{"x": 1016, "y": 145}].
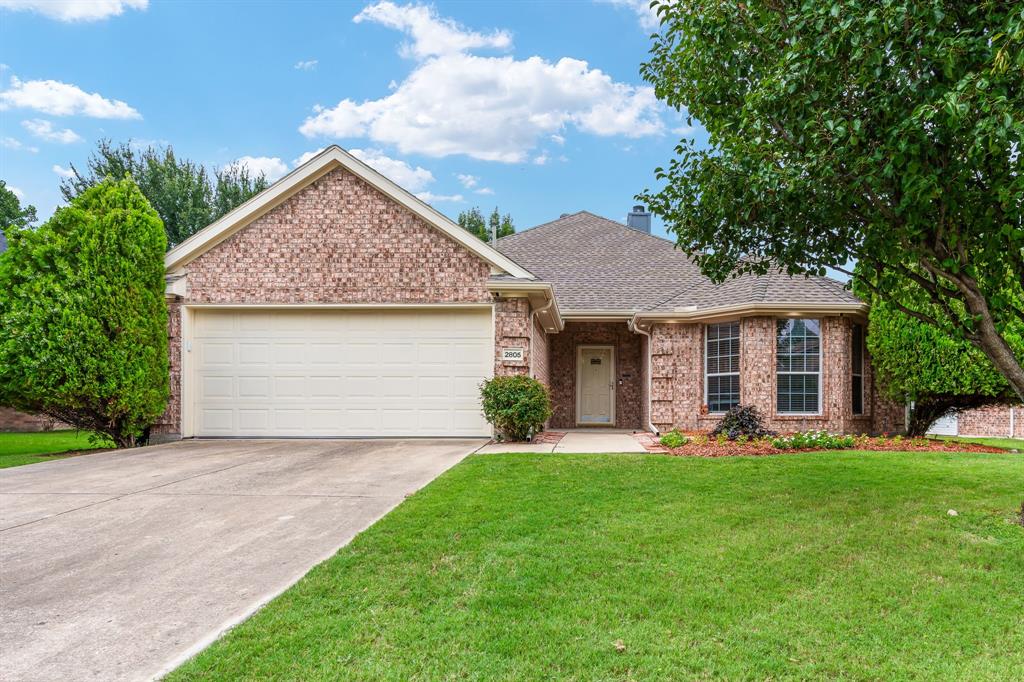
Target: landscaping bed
[{"x": 700, "y": 444}]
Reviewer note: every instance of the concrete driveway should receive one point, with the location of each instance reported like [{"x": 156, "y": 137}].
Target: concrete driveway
[{"x": 120, "y": 565}]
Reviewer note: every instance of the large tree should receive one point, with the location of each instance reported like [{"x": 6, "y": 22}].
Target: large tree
[
  {"x": 11, "y": 210},
  {"x": 186, "y": 196},
  {"x": 886, "y": 133},
  {"x": 484, "y": 228},
  {"x": 83, "y": 323}
]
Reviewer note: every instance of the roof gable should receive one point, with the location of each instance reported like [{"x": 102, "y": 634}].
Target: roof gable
[{"x": 323, "y": 163}]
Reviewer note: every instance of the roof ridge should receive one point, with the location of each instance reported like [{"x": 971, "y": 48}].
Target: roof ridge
[{"x": 542, "y": 225}]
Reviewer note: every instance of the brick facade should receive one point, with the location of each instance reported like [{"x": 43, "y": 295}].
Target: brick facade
[
  {"x": 340, "y": 240},
  {"x": 629, "y": 380},
  {"x": 677, "y": 362},
  {"x": 993, "y": 421},
  {"x": 12, "y": 420},
  {"x": 540, "y": 346}
]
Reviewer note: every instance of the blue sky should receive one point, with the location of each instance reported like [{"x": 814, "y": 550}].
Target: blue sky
[{"x": 536, "y": 107}]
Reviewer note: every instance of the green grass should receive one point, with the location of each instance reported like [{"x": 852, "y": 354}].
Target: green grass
[
  {"x": 17, "y": 449},
  {"x": 1005, "y": 443},
  {"x": 523, "y": 567}
]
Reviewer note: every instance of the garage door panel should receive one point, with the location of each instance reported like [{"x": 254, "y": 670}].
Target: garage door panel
[{"x": 340, "y": 373}]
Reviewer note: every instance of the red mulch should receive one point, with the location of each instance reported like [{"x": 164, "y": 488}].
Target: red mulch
[{"x": 711, "y": 448}]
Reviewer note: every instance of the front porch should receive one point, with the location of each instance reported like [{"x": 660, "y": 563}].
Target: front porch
[{"x": 597, "y": 376}]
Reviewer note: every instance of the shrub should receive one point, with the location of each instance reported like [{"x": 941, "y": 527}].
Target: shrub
[
  {"x": 813, "y": 440},
  {"x": 674, "y": 439},
  {"x": 83, "y": 322},
  {"x": 517, "y": 406},
  {"x": 742, "y": 420}
]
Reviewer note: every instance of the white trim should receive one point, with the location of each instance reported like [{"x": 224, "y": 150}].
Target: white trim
[
  {"x": 340, "y": 306},
  {"x": 749, "y": 309},
  {"x": 329, "y": 159},
  {"x": 821, "y": 369},
  {"x": 737, "y": 374},
  {"x": 579, "y": 383}
]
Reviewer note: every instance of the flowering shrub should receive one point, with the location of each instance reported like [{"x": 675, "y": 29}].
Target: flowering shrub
[
  {"x": 814, "y": 440},
  {"x": 674, "y": 439}
]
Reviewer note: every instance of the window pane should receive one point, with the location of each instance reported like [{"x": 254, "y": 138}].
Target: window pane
[
  {"x": 798, "y": 362},
  {"x": 858, "y": 394},
  {"x": 722, "y": 363}
]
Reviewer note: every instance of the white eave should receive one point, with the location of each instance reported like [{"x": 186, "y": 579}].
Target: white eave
[
  {"x": 541, "y": 296},
  {"x": 323, "y": 163},
  {"x": 781, "y": 309}
]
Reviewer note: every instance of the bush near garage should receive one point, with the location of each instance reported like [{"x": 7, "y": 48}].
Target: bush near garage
[{"x": 517, "y": 406}]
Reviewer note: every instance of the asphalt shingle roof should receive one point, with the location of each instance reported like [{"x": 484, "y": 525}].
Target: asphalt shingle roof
[{"x": 596, "y": 263}]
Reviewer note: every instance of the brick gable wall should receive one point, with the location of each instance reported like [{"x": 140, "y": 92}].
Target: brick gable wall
[{"x": 340, "y": 240}]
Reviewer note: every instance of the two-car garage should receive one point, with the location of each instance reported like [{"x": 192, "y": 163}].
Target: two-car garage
[{"x": 314, "y": 371}]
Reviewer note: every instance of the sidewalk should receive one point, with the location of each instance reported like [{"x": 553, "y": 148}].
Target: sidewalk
[{"x": 590, "y": 440}]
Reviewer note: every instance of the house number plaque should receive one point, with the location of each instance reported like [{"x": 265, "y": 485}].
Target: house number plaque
[{"x": 512, "y": 356}]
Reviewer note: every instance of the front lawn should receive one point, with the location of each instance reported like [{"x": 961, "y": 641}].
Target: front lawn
[
  {"x": 40, "y": 446},
  {"x": 645, "y": 567},
  {"x": 1004, "y": 443}
]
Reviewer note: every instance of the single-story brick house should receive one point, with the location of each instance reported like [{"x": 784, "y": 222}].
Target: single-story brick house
[{"x": 335, "y": 303}]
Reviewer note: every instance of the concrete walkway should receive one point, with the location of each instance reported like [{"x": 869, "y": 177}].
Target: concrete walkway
[
  {"x": 590, "y": 440},
  {"x": 120, "y": 565}
]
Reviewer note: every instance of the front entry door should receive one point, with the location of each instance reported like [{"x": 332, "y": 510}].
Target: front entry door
[{"x": 595, "y": 377}]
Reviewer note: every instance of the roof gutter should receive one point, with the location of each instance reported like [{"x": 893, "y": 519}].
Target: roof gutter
[
  {"x": 534, "y": 288},
  {"x": 694, "y": 314},
  {"x": 650, "y": 383}
]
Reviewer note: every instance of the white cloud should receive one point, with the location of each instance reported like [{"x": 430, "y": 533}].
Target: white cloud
[
  {"x": 647, "y": 17},
  {"x": 490, "y": 108},
  {"x": 75, "y": 10},
  {"x": 13, "y": 143},
  {"x": 44, "y": 130},
  {"x": 485, "y": 190},
  {"x": 307, "y": 65},
  {"x": 17, "y": 192},
  {"x": 270, "y": 166},
  {"x": 558, "y": 139},
  {"x": 430, "y": 197},
  {"x": 63, "y": 172},
  {"x": 541, "y": 159},
  {"x": 62, "y": 99},
  {"x": 399, "y": 172},
  {"x": 431, "y": 34},
  {"x": 468, "y": 181},
  {"x": 306, "y": 157}
]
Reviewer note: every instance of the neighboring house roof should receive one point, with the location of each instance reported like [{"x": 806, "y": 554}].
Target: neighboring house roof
[
  {"x": 597, "y": 264},
  {"x": 329, "y": 159}
]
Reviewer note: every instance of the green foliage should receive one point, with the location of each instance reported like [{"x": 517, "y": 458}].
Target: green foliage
[
  {"x": 882, "y": 132},
  {"x": 813, "y": 440},
  {"x": 184, "y": 194},
  {"x": 473, "y": 221},
  {"x": 674, "y": 439},
  {"x": 741, "y": 421},
  {"x": 83, "y": 323},
  {"x": 11, "y": 210},
  {"x": 517, "y": 405}
]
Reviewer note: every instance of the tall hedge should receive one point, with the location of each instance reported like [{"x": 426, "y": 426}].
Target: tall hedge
[
  {"x": 83, "y": 322},
  {"x": 940, "y": 373}
]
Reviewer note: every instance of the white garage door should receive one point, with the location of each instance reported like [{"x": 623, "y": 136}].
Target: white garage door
[{"x": 322, "y": 372}]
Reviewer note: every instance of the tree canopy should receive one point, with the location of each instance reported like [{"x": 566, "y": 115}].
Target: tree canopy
[
  {"x": 473, "y": 221},
  {"x": 83, "y": 323},
  {"x": 886, "y": 133},
  {"x": 11, "y": 210},
  {"x": 185, "y": 195}
]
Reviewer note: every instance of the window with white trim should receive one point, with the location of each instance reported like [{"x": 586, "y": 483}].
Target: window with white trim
[
  {"x": 857, "y": 368},
  {"x": 722, "y": 366},
  {"x": 798, "y": 366}
]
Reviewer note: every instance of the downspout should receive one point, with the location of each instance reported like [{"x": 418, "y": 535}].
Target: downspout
[
  {"x": 533, "y": 313},
  {"x": 633, "y": 327}
]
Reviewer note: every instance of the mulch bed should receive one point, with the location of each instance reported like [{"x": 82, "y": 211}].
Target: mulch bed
[{"x": 730, "y": 449}]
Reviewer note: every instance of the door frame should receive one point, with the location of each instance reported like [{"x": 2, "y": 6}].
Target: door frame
[{"x": 579, "y": 383}]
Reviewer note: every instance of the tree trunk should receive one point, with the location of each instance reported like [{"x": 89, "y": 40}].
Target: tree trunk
[{"x": 992, "y": 344}]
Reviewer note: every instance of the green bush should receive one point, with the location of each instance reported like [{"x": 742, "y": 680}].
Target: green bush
[
  {"x": 674, "y": 439},
  {"x": 83, "y": 322},
  {"x": 813, "y": 440},
  {"x": 517, "y": 406}
]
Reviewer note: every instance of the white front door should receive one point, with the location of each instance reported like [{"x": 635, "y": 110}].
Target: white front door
[{"x": 595, "y": 377}]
